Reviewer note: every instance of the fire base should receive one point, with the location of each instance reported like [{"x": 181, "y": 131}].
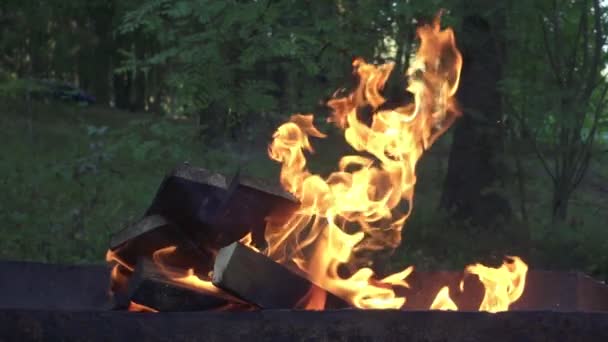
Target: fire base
[
  {"x": 46, "y": 302},
  {"x": 287, "y": 325}
]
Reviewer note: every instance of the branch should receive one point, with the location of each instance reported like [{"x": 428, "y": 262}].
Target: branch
[
  {"x": 597, "y": 52},
  {"x": 531, "y": 138},
  {"x": 583, "y": 162},
  {"x": 550, "y": 55},
  {"x": 582, "y": 27}
]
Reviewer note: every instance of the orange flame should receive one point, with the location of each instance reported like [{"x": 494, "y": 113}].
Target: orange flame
[
  {"x": 118, "y": 278},
  {"x": 355, "y": 208},
  {"x": 314, "y": 299},
  {"x": 189, "y": 278},
  {"x": 503, "y": 285},
  {"x": 443, "y": 301},
  {"x": 247, "y": 240},
  {"x": 134, "y": 307}
]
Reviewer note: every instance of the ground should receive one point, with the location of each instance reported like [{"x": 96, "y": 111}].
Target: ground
[{"x": 71, "y": 175}]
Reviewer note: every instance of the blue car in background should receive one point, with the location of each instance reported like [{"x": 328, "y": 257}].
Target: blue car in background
[{"x": 51, "y": 89}]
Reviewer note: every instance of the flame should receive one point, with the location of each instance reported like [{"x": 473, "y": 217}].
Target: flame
[
  {"x": 118, "y": 275},
  {"x": 247, "y": 240},
  {"x": 189, "y": 278},
  {"x": 355, "y": 209},
  {"x": 134, "y": 307},
  {"x": 314, "y": 299},
  {"x": 443, "y": 301},
  {"x": 503, "y": 285}
]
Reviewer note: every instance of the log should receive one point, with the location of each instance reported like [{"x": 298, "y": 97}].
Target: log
[
  {"x": 248, "y": 205},
  {"x": 188, "y": 196},
  {"x": 214, "y": 213},
  {"x": 152, "y": 287},
  {"x": 153, "y": 233},
  {"x": 85, "y": 287},
  {"x": 258, "y": 280}
]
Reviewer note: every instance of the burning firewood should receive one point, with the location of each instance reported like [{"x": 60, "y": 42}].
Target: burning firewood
[
  {"x": 188, "y": 195},
  {"x": 247, "y": 207},
  {"x": 163, "y": 289},
  {"x": 337, "y": 219},
  {"x": 214, "y": 213},
  {"x": 153, "y": 233},
  {"x": 259, "y": 280}
]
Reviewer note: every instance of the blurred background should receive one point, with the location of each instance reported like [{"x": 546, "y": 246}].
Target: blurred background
[{"x": 99, "y": 99}]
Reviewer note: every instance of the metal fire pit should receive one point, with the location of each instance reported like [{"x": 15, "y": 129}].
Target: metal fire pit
[{"x": 44, "y": 302}]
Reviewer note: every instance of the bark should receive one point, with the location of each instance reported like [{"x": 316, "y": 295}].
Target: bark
[{"x": 474, "y": 165}]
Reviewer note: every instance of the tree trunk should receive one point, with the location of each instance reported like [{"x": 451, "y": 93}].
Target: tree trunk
[
  {"x": 102, "y": 17},
  {"x": 474, "y": 168},
  {"x": 559, "y": 204},
  {"x": 121, "y": 81},
  {"x": 139, "y": 85},
  {"x": 122, "y": 86}
]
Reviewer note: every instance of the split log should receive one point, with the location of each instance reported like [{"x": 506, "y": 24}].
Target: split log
[
  {"x": 152, "y": 287},
  {"x": 153, "y": 233},
  {"x": 248, "y": 205},
  {"x": 258, "y": 280},
  {"x": 213, "y": 213},
  {"x": 188, "y": 196}
]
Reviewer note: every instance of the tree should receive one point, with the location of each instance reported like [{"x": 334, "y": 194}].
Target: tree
[
  {"x": 555, "y": 90},
  {"x": 472, "y": 185},
  {"x": 233, "y": 62}
]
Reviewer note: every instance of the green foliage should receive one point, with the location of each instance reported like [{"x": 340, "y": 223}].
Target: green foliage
[
  {"x": 554, "y": 91},
  {"x": 85, "y": 176},
  {"x": 232, "y": 61}
]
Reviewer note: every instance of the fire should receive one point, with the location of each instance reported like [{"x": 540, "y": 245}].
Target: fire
[
  {"x": 118, "y": 278},
  {"x": 188, "y": 278},
  {"x": 134, "y": 307},
  {"x": 355, "y": 209},
  {"x": 247, "y": 240},
  {"x": 503, "y": 285},
  {"x": 443, "y": 301}
]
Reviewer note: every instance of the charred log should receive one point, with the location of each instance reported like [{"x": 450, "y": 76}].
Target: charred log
[
  {"x": 152, "y": 286},
  {"x": 154, "y": 233},
  {"x": 258, "y": 280}
]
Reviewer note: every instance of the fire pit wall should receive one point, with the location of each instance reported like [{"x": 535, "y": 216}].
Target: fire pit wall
[{"x": 46, "y": 302}]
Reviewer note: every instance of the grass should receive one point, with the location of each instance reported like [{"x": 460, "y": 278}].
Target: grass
[{"x": 68, "y": 183}]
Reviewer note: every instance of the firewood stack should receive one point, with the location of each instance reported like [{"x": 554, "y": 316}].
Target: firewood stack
[{"x": 185, "y": 254}]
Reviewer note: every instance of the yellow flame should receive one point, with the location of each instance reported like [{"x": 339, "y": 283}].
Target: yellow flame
[
  {"x": 443, "y": 301},
  {"x": 189, "y": 278},
  {"x": 247, "y": 240},
  {"x": 503, "y": 285},
  {"x": 355, "y": 208}
]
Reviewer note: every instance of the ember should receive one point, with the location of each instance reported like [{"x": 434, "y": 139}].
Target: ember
[{"x": 302, "y": 247}]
